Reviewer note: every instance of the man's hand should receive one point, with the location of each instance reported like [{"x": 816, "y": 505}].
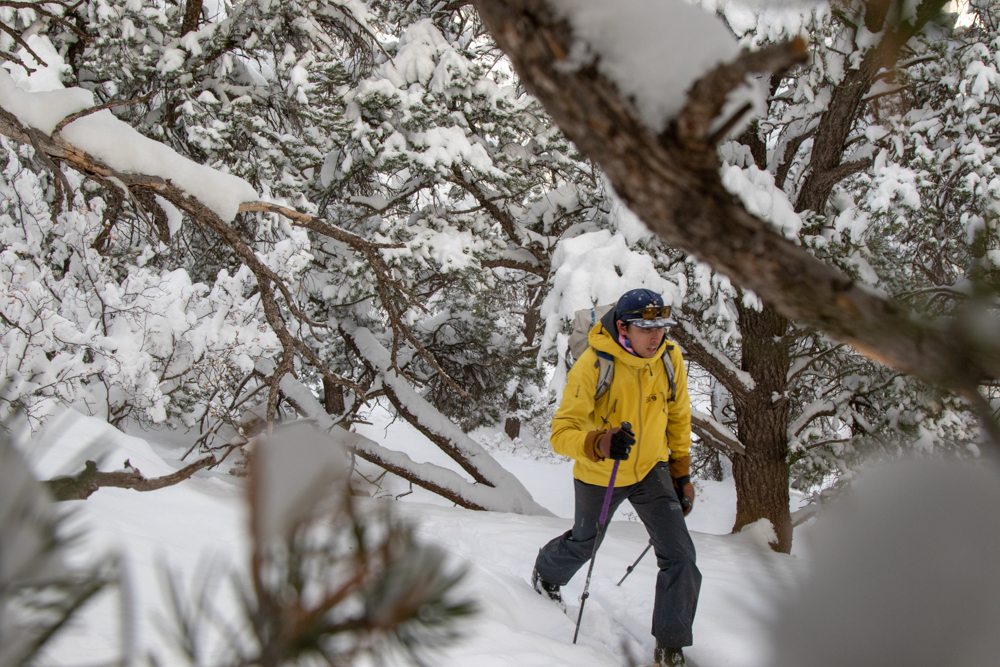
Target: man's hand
[
  {"x": 616, "y": 444},
  {"x": 680, "y": 471},
  {"x": 685, "y": 493}
]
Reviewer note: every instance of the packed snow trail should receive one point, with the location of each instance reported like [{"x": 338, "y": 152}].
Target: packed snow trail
[
  {"x": 201, "y": 522},
  {"x": 516, "y": 623}
]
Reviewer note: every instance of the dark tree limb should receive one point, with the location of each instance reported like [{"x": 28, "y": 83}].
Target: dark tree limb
[
  {"x": 673, "y": 184},
  {"x": 708, "y": 94},
  {"x": 695, "y": 351},
  {"x": 101, "y": 107},
  {"x": 520, "y": 266},
  {"x": 848, "y": 97},
  {"x": 90, "y": 479}
]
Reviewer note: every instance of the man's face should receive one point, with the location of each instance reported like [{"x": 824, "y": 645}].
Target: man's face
[{"x": 645, "y": 342}]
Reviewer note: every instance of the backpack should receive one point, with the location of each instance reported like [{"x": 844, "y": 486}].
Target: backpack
[{"x": 583, "y": 321}]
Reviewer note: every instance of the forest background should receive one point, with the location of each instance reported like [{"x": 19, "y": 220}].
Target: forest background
[{"x": 217, "y": 217}]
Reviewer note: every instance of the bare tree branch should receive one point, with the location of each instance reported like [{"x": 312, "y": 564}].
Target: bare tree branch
[
  {"x": 90, "y": 479},
  {"x": 101, "y": 107}
]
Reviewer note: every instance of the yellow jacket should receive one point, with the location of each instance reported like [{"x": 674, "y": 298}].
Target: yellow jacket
[{"x": 638, "y": 394}]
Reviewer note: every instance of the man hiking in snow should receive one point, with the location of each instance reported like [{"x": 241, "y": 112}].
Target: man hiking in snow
[{"x": 654, "y": 475}]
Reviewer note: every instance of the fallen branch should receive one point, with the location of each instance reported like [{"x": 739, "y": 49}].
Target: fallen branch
[{"x": 90, "y": 479}]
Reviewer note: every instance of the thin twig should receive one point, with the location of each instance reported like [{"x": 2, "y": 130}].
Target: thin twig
[{"x": 108, "y": 105}]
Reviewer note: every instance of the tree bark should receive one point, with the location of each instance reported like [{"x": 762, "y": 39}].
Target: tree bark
[
  {"x": 532, "y": 317},
  {"x": 512, "y": 427},
  {"x": 333, "y": 397},
  {"x": 90, "y": 479},
  {"x": 761, "y": 472},
  {"x": 192, "y": 14}
]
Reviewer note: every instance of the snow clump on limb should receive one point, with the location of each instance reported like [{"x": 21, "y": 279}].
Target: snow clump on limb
[
  {"x": 654, "y": 50},
  {"x": 122, "y": 148},
  {"x": 594, "y": 269},
  {"x": 760, "y": 196}
]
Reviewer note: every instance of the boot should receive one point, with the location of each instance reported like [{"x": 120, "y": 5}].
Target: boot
[
  {"x": 665, "y": 656},
  {"x": 545, "y": 589}
]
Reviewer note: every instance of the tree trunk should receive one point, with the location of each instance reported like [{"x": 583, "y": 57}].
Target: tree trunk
[
  {"x": 512, "y": 427},
  {"x": 761, "y": 473},
  {"x": 333, "y": 398},
  {"x": 192, "y": 14}
]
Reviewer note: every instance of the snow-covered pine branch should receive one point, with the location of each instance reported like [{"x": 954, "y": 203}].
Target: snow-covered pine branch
[
  {"x": 700, "y": 350},
  {"x": 825, "y": 407},
  {"x": 502, "y": 494},
  {"x": 715, "y": 434}
]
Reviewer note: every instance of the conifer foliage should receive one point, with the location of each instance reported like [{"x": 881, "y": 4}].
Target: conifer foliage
[
  {"x": 379, "y": 183},
  {"x": 220, "y": 216}
]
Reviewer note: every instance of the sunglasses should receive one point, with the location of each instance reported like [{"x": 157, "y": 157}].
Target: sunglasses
[{"x": 650, "y": 312}]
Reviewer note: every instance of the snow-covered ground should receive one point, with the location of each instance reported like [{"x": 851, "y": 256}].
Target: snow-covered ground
[{"x": 198, "y": 527}]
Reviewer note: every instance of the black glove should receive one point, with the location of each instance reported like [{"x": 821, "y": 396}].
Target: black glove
[
  {"x": 685, "y": 492},
  {"x": 617, "y": 444}
]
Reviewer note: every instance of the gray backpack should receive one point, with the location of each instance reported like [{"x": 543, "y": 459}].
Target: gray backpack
[{"x": 583, "y": 321}]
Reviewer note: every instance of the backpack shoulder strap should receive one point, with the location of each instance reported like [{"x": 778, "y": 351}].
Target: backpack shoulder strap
[
  {"x": 668, "y": 365},
  {"x": 605, "y": 373}
]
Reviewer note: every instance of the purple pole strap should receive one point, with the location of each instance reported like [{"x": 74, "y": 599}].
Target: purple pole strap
[{"x": 607, "y": 496}]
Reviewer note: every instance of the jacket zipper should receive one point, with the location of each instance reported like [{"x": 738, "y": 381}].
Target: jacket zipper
[{"x": 638, "y": 434}]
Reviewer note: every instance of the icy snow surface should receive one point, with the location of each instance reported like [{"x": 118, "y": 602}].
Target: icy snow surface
[
  {"x": 200, "y": 523},
  {"x": 652, "y": 49},
  {"x": 116, "y": 144}
]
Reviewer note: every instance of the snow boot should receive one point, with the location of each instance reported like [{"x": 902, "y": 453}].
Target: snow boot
[
  {"x": 664, "y": 656},
  {"x": 545, "y": 589}
]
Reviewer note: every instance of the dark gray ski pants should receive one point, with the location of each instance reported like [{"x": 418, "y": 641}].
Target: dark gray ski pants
[{"x": 655, "y": 501}]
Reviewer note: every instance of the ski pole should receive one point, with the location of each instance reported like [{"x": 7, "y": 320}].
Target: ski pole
[
  {"x": 631, "y": 567},
  {"x": 600, "y": 533}
]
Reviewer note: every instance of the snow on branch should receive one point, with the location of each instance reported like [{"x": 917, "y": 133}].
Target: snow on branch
[
  {"x": 505, "y": 494},
  {"x": 419, "y": 412},
  {"x": 671, "y": 180},
  {"x": 715, "y": 434},
  {"x": 112, "y": 153},
  {"x": 444, "y": 482},
  {"x": 116, "y": 144},
  {"x": 700, "y": 350},
  {"x": 826, "y": 407}
]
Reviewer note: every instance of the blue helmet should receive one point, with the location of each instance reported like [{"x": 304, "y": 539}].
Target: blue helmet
[{"x": 643, "y": 308}]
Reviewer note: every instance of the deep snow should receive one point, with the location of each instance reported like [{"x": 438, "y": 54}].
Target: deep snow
[{"x": 198, "y": 526}]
